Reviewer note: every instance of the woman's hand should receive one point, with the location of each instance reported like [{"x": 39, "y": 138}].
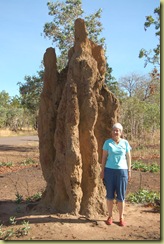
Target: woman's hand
[
  {"x": 104, "y": 158},
  {"x": 102, "y": 174},
  {"x": 129, "y": 175}
]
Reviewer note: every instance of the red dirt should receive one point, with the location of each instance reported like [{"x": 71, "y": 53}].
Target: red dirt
[{"x": 45, "y": 225}]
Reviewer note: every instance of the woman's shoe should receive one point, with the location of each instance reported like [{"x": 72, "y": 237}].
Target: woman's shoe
[
  {"x": 109, "y": 221},
  {"x": 122, "y": 222}
]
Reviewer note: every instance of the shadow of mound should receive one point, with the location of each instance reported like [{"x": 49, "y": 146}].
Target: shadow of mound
[
  {"x": 16, "y": 148},
  {"x": 35, "y": 213}
]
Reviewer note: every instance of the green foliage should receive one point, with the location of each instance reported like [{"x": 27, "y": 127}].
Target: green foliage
[
  {"x": 8, "y": 164},
  {"x": 3, "y": 117},
  {"x": 152, "y": 116},
  {"x": 140, "y": 108},
  {"x": 136, "y": 165},
  {"x": 139, "y": 96},
  {"x": 21, "y": 231},
  {"x": 30, "y": 92},
  {"x": 1, "y": 231},
  {"x": 12, "y": 220},
  {"x": 4, "y": 99},
  {"x": 8, "y": 234},
  {"x": 139, "y": 116},
  {"x": 143, "y": 196},
  {"x": 15, "y": 102},
  {"x": 112, "y": 84},
  {"x": 4, "y": 104},
  {"x": 61, "y": 29},
  {"x": 34, "y": 198},
  {"x": 19, "y": 198},
  {"x": 152, "y": 56},
  {"x": 94, "y": 27},
  {"x": 12, "y": 113},
  {"x": 14, "y": 118},
  {"x": 28, "y": 161},
  {"x": 24, "y": 230}
]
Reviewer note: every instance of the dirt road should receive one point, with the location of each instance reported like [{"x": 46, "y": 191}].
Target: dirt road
[{"x": 17, "y": 140}]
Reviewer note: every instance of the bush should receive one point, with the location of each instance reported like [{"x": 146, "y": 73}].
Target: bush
[{"x": 144, "y": 196}]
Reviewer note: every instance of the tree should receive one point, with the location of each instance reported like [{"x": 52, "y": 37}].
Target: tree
[
  {"x": 4, "y": 99},
  {"x": 152, "y": 56},
  {"x": 132, "y": 84},
  {"x": 15, "y": 102},
  {"x": 4, "y": 104},
  {"x": 140, "y": 86},
  {"x": 61, "y": 32},
  {"x": 140, "y": 110},
  {"x": 61, "y": 29},
  {"x": 113, "y": 85},
  {"x": 30, "y": 94},
  {"x": 12, "y": 114},
  {"x": 139, "y": 117},
  {"x": 152, "y": 88},
  {"x": 15, "y": 118},
  {"x": 31, "y": 90}
]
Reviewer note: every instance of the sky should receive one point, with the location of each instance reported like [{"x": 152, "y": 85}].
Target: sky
[{"x": 22, "y": 46}]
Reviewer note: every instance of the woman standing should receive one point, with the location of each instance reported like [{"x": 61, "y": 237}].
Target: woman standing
[{"x": 116, "y": 171}]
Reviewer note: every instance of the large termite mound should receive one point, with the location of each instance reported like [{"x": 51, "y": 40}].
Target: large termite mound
[{"x": 76, "y": 114}]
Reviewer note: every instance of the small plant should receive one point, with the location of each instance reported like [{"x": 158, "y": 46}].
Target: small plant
[
  {"x": 24, "y": 230},
  {"x": 12, "y": 220},
  {"x": 1, "y": 231},
  {"x": 6, "y": 235},
  {"x": 19, "y": 198},
  {"x": 7, "y": 164},
  {"x": 35, "y": 197},
  {"x": 25, "y": 227},
  {"x": 28, "y": 161},
  {"x": 143, "y": 196},
  {"x": 144, "y": 167},
  {"x": 140, "y": 147},
  {"x": 154, "y": 168}
]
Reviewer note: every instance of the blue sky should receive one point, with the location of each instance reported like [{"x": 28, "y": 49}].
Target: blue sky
[{"x": 22, "y": 47}]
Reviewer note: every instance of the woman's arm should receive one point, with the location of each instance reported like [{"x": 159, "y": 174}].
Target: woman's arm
[
  {"x": 103, "y": 162},
  {"x": 128, "y": 156}
]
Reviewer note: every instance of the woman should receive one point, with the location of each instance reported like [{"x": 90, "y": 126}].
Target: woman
[{"x": 116, "y": 171}]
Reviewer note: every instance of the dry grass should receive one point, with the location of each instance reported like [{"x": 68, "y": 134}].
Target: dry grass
[
  {"x": 23, "y": 132},
  {"x": 147, "y": 148}
]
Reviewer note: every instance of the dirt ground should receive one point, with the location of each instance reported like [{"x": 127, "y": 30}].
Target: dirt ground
[{"x": 18, "y": 179}]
